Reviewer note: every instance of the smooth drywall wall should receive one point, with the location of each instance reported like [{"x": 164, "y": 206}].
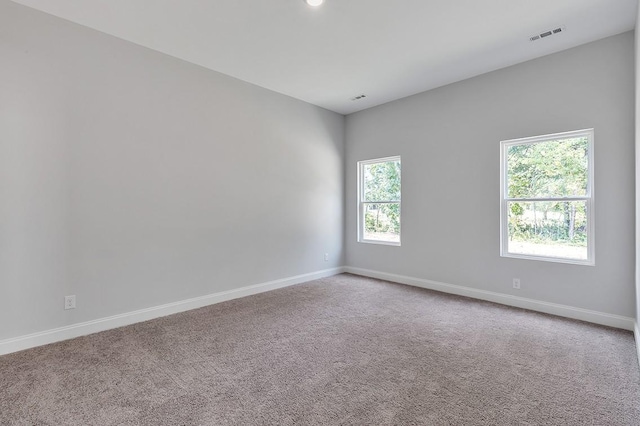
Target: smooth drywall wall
[
  {"x": 132, "y": 179},
  {"x": 449, "y": 140},
  {"x": 637, "y": 146}
]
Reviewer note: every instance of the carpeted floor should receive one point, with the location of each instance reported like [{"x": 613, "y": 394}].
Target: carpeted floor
[{"x": 342, "y": 350}]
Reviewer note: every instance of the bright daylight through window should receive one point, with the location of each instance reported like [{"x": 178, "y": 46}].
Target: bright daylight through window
[
  {"x": 379, "y": 201},
  {"x": 547, "y": 197}
]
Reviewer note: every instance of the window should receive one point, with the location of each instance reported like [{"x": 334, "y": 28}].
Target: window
[
  {"x": 379, "y": 201},
  {"x": 547, "y": 198}
]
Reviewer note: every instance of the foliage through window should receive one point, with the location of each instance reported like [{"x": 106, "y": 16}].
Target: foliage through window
[
  {"x": 547, "y": 197},
  {"x": 379, "y": 201}
]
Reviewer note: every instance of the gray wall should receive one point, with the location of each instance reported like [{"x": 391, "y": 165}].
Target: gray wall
[
  {"x": 637, "y": 146},
  {"x": 449, "y": 140},
  {"x": 133, "y": 179}
]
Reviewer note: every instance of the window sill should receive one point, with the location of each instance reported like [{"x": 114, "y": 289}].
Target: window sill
[
  {"x": 549, "y": 259},
  {"x": 383, "y": 243}
]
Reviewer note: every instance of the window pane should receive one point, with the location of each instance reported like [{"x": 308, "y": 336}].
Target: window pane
[
  {"x": 557, "y": 168},
  {"x": 553, "y": 229},
  {"x": 382, "y": 181},
  {"x": 382, "y": 222}
]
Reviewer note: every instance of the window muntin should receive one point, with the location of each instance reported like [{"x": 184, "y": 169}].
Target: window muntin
[
  {"x": 379, "y": 195},
  {"x": 547, "y": 197}
]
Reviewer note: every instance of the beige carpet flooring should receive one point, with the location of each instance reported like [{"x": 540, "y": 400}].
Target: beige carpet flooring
[{"x": 344, "y": 350}]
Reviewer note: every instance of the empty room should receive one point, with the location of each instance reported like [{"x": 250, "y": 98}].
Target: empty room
[{"x": 319, "y": 212}]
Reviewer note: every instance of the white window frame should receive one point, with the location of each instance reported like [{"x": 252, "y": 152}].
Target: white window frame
[
  {"x": 588, "y": 198},
  {"x": 361, "y": 202}
]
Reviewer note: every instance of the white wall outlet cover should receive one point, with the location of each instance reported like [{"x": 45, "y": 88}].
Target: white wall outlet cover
[{"x": 70, "y": 302}]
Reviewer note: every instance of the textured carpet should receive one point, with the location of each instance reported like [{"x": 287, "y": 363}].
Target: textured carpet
[{"x": 341, "y": 350}]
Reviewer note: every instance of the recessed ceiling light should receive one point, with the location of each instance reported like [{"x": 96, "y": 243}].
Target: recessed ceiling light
[{"x": 314, "y": 2}]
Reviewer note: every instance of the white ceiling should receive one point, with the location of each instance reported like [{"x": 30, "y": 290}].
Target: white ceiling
[{"x": 330, "y": 54}]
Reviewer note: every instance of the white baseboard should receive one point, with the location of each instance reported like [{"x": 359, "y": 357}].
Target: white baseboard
[
  {"x": 596, "y": 317},
  {"x": 636, "y": 333},
  {"x": 82, "y": 329}
]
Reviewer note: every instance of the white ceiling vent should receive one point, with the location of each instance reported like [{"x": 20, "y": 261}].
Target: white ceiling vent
[
  {"x": 547, "y": 33},
  {"x": 357, "y": 98}
]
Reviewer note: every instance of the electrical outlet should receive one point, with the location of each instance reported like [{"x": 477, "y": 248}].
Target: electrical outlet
[
  {"x": 70, "y": 302},
  {"x": 516, "y": 283},
  {"x": 326, "y": 257}
]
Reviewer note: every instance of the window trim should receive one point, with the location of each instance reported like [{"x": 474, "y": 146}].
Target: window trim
[
  {"x": 589, "y": 198},
  {"x": 361, "y": 203}
]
